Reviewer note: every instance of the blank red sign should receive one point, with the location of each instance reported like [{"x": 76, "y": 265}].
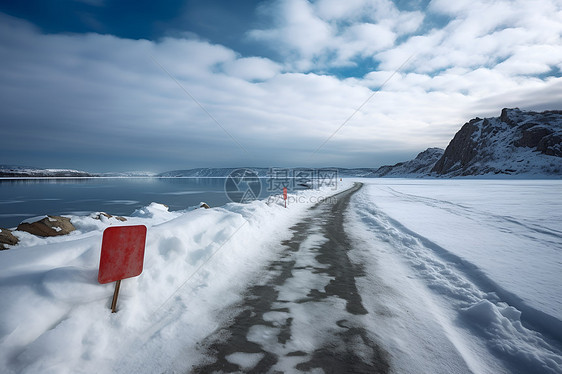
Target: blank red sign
[
  {"x": 122, "y": 253},
  {"x": 285, "y": 193}
]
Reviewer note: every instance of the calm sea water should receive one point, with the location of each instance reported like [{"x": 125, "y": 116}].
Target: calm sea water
[{"x": 21, "y": 199}]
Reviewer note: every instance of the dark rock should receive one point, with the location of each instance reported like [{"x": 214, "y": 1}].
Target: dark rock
[
  {"x": 48, "y": 226},
  {"x": 505, "y": 116},
  {"x": 460, "y": 150},
  {"x": 204, "y": 205},
  {"x": 7, "y": 238},
  {"x": 531, "y": 135},
  {"x": 551, "y": 145}
]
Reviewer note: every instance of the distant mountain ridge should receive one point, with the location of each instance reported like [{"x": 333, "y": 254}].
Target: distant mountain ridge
[
  {"x": 261, "y": 172},
  {"x": 421, "y": 165},
  {"x": 515, "y": 143},
  {"x": 13, "y": 171}
]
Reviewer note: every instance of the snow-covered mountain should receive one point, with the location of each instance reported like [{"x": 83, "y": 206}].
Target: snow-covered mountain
[
  {"x": 129, "y": 174},
  {"x": 515, "y": 143},
  {"x": 421, "y": 165},
  {"x": 209, "y": 172},
  {"x": 29, "y": 172},
  {"x": 15, "y": 171},
  {"x": 263, "y": 172}
]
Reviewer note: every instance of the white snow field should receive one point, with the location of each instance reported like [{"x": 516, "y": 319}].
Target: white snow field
[
  {"x": 482, "y": 257},
  {"x": 459, "y": 274}
]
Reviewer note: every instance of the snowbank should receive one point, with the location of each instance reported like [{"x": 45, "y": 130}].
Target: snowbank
[{"x": 55, "y": 317}]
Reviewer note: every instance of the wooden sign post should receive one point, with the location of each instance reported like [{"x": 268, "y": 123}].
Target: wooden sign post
[
  {"x": 285, "y": 195},
  {"x": 122, "y": 256}
]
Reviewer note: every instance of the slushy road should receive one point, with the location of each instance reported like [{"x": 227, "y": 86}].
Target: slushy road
[{"x": 305, "y": 313}]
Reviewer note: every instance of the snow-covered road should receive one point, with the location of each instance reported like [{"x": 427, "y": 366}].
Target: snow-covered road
[{"x": 304, "y": 312}]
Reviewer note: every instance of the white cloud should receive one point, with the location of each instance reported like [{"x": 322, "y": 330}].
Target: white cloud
[
  {"x": 299, "y": 32},
  {"x": 364, "y": 39},
  {"x": 338, "y": 10},
  {"x": 327, "y": 33},
  {"x": 102, "y": 95},
  {"x": 252, "y": 68},
  {"x": 532, "y": 60}
]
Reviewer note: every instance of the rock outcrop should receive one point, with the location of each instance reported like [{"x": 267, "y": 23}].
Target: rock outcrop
[
  {"x": 461, "y": 149},
  {"x": 516, "y": 142},
  {"x": 48, "y": 226},
  {"x": 7, "y": 238}
]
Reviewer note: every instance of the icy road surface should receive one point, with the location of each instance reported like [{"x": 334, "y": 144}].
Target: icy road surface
[{"x": 306, "y": 312}]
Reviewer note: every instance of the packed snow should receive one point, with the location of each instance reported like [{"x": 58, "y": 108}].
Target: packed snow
[{"x": 461, "y": 275}]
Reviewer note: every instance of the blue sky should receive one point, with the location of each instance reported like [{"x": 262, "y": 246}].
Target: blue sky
[{"x": 103, "y": 85}]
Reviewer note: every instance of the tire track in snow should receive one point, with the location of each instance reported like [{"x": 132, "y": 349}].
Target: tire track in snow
[
  {"x": 306, "y": 313},
  {"x": 477, "y": 214},
  {"x": 526, "y": 339}
]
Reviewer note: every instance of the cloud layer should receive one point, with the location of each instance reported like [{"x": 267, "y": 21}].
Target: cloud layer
[{"x": 100, "y": 102}]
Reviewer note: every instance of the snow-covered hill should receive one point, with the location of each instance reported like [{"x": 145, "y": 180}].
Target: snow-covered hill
[
  {"x": 263, "y": 172},
  {"x": 29, "y": 172},
  {"x": 516, "y": 142},
  {"x": 421, "y": 165},
  {"x": 206, "y": 172},
  {"x": 16, "y": 171}
]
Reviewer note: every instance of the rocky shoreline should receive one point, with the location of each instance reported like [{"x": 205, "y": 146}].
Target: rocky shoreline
[{"x": 45, "y": 226}]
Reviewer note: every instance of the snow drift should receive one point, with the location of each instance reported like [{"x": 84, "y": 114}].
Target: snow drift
[{"x": 54, "y": 317}]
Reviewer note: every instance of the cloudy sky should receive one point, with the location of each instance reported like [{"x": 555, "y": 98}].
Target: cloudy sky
[{"x": 107, "y": 85}]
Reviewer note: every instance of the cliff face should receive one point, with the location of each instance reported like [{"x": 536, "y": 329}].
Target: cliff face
[
  {"x": 461, "y": 150},
  {"x": 516, "y": 142}
]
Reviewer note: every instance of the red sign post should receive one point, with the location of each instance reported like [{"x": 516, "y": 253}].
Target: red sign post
[
  {"x": 122, "y": 255},
  {"x": 285, "y": 195}
]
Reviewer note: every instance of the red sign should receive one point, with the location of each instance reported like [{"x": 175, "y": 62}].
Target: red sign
[
  {"x": 122, "y": 253},
  {"x": 285, "y": 193}
]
